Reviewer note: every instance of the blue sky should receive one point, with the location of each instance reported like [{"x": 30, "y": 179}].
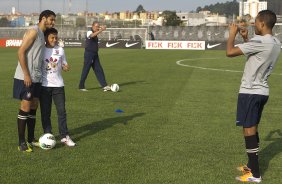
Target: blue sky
[{"x": 29, "y": 6}]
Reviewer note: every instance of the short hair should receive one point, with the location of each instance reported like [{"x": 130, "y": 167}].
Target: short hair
[
  {"x": 50, "y": 31},
  {"x": 94, "y": 22},
  {"x": 46, "y": 14},
  {"x": 268, "y": 17}
]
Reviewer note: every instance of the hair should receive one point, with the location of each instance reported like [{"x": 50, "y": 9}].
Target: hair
[
  {"x": 268, "y": 17},
  {"x": 94, "y": 22},
  {"x": 50, "y": 31},
  {"x": 46, "y": 14}
]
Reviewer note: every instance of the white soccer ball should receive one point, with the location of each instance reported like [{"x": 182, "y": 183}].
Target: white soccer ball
[
  {"x": 47, "y": 141},
  {"x": 114, "y": 87}
]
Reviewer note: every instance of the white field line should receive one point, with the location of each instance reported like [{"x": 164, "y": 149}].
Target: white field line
[{"x": 212, "y": 69}]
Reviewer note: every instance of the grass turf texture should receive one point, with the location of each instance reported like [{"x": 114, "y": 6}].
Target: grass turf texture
[{"x": 178, "y": 124}]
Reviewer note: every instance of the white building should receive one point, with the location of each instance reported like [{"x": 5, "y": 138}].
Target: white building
[
  {"x": 201, "y": 18},
  {"x": 191, "y": 19},
  {"x": 251, "y": 7}
]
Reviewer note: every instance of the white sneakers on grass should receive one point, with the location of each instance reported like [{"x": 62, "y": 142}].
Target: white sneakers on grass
[
  {"x": 107, "y": 88},
  {"x": 67, "y": 141}
]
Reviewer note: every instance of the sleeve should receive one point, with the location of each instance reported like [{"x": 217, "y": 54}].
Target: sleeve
[
  {"x": 252, "y": 47},
  {"x": 88, "y": 34},
  {"x": 64, "y": 60}
]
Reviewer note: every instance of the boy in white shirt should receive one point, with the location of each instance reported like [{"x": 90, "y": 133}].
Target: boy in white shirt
[{"x": 53, "y": 86}]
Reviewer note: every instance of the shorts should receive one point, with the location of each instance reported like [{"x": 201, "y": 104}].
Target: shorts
[
  {"x": 249, "y": 109},
  {"x": 21, "y": 92}
]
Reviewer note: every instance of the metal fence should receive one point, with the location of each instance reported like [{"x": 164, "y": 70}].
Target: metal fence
[{"x": 197, "y": 33}]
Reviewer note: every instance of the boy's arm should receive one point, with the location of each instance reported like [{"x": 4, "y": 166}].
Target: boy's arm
[
  {"x": 28, "y": 40},
  {"x": 232, "y": 51},
  {"x": 65, "y": 65}
]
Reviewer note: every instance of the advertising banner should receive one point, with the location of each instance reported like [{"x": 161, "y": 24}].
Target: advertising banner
[
  {"x": 12, "y": 42},
  {"x": 185, "y": 45},
  {"x": 122, "y": 44}
]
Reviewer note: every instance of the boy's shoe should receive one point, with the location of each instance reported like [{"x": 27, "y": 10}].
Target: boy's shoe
[
  {"x": 83, "y": 89},
  {"x": 67, "y": 141},
  {"x": 248, "y": 177},
  {"x": 24, "y": 147},
  {"x": 107, "y": 88},
  {"x": 34, "y": 143},
  {"x": 244, "y": 169}
]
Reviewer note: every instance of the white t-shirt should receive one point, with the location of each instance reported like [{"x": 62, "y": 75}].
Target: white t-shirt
[
  {"x": 54, "y": 58},
  {"x": 262, "y": 54}
]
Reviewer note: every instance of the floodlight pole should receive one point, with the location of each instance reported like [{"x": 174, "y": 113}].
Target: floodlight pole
[{"x": 86, "y": 12}]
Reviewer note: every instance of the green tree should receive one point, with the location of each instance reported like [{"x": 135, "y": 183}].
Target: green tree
[
  {"x": 171, "y": 19},
  {"x": 4, "y": 22},
  {"x": 80, "y": 22},
  {"x": 228, "y": 8},
  {"x": 275, "y": 5},
  {"x": 140, "y": 9}
]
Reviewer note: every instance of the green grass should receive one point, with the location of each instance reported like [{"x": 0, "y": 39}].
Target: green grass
[{"x": 178, "y": 124}]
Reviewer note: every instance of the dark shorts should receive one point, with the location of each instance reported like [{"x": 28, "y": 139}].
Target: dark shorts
[
  {"x": 249, "y": 109},
  {"x": 22, "y": 92}
]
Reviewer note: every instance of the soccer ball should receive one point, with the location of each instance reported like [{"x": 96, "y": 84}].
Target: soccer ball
[
  {"x": 114, "y": 87},
  {"x": 47, "y": 141}
]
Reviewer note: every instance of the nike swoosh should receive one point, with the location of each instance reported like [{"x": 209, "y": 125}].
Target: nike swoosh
[
  {"x": 216, "y": 34},
  {"x": 130, "y": 45},
  {"x": 212, "y": 46},
  {"x": 111, "y": 44}
]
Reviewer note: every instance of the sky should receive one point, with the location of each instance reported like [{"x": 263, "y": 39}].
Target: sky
[{"x": 100, "y": 6}]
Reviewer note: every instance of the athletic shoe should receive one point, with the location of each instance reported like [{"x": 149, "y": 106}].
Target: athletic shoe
[
  {"x": 244, "y": 169},
  {"x": 107, "y": 88},
  {"x": 83, "y": 89},
  {"x": 248, "y": 177},
  {"x": 67, "y": 141},
  {"x": 24, "y": 147},
  {"x": 34, "y": 143}
]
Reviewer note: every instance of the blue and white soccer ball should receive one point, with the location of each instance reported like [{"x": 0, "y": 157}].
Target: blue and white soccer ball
[
  {"x": 114, "y": 87},
  {"x": 47, "y": 141}
]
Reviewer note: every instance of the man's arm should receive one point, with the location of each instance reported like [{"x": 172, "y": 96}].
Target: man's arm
[
  {"x": 28, "y": 40},
  {"x": 102, "y": 28},
  {"x": 232, "y": 51}
]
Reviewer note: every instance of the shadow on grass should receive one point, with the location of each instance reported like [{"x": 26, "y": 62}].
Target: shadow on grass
[
  {"x": 94, "y": 127},
  {"x": 121, "y": 84},
  {"x": 270, "y": 151}
]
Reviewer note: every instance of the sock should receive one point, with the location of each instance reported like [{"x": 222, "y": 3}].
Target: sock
[
  {"x": 31, "y": 125},
  {"x": 257, "y": 136},
  {"x": 252, "y": 149},
  {"x": 22, "y": 119}
]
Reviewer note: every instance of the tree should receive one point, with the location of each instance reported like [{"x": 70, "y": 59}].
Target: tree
[
  {"x": 275, "y": 5},
  {"x": 140, "y": 9},
  {"x": 4, "y": 22},
  {"x": 229, "y": 8},
  {"x": 80, "y": 22},
  {"x": 171, "y": 19}
]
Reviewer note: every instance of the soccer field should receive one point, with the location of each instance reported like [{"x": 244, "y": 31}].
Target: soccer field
[{"x": 177, "y": 124}]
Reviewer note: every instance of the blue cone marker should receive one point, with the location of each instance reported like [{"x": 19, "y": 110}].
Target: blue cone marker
[{"x": 119, "y": 111}]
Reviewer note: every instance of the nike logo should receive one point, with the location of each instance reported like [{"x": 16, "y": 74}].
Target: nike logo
[
  {"x": 111, "y": 44},
  {"x": 212, "y": 46},
  {"x": 216, "y": 34},
  {"x": 131, "y": 44}
]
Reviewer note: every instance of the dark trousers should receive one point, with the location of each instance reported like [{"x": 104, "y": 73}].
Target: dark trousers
[
  {"x": 58, "y": 95},
  {"x": 91, "y": 59}
]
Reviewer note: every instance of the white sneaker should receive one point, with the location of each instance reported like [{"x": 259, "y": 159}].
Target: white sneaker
[
  {"x": 67, "y": 141},
  {"x": 83, "y": 89},
  {"x": 107, "y": 88}
]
